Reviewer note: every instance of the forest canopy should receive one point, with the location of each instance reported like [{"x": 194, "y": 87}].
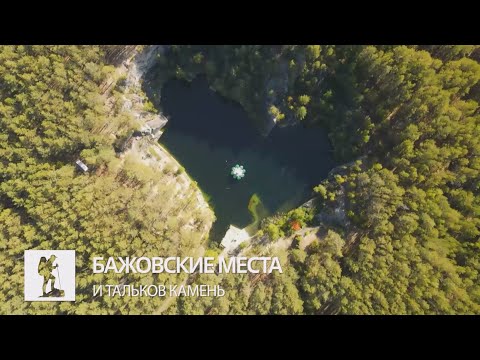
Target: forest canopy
[
  {"x": 399, "y": 224},
  {"x": 52, "y": 112},
  {"x": 396, "y": 230}
]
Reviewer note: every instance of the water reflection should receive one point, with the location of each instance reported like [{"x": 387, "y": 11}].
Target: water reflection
[{"x": 208, "y": 135}]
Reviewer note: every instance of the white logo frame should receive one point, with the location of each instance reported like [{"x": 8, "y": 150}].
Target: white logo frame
[{"x": 60, "y": 271}]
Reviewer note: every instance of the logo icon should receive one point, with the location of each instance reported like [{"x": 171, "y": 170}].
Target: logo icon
[{"x": 49, "y": 275}]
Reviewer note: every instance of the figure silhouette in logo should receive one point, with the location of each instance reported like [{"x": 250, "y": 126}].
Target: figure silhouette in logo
[{"x": 46, "y": 269}]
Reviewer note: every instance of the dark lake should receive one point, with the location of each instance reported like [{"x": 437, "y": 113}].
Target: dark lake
[{"x": 208, "y": 135}]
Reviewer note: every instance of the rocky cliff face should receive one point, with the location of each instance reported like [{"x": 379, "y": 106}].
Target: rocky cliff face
[{"x": 136, "y": 67}]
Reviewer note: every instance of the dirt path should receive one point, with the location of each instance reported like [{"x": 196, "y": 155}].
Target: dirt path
[{"x": 308, "y": 234}]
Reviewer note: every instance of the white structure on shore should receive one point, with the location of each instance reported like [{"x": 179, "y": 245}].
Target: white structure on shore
[
  {"x": 233, "y": 238},
  {"x": 81, "y": 165}
]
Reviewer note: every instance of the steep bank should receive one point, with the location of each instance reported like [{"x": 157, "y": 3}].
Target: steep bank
[{"x": 144, "y": 143}]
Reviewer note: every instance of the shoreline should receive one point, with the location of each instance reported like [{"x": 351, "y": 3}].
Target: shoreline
[{"x": 133, "y": 69}]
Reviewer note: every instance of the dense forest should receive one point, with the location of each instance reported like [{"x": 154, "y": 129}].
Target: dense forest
[
  {"x": 397, "y": 227},
  {"x": 52, "y": 112},
  {"x": 399, "y": 224}
]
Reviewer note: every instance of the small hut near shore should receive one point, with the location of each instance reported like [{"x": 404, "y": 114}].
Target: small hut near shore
[
  {"x": 81, "y": 165},
  {"x": 233, "y": 238}
]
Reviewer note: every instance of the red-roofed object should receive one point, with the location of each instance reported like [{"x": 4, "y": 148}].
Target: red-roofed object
[{"x": 296, "y": 225}]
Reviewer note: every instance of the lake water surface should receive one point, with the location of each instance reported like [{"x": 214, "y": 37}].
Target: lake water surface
[{"x": 208, "y": 135}]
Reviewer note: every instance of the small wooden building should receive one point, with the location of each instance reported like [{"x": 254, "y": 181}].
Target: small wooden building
[
  {"x": 233, "y": 238},
  {"x": 81, "y": 165}
]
